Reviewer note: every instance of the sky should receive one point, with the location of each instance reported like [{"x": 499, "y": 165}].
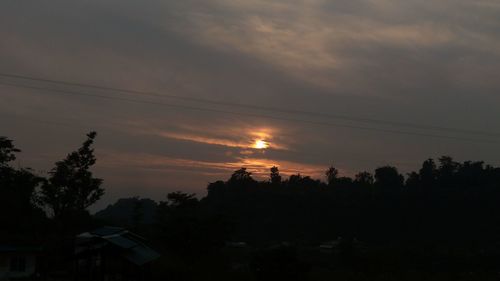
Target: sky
[{"x": 215, "y": 85}]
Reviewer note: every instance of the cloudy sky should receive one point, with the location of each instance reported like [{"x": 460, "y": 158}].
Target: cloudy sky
[{"x": 214, "y": 85}]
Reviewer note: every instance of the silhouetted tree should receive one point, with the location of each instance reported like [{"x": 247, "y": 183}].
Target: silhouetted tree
[
  {"x": 180, "y": 200},
  {"x": 275, "y": 176},
  {"x": 364, "y": 179},
  {"x": 19, "y": 213},
  {"x": 129, "y": 212},
  {"x": 447, "y": 169},
  {"x": 7, "y": 151},
  {"x": 331, "y": 175},
  {"x": 298, "y": 181},
  {"x": 138, "y": 215},
  {"x": 241, "y": 178},
  {"x": 71, "y": 187},
  {"x": 428, "y": 173},
  {"x": 343, "y": 182},
  {"x": 216, "y": 190},
  {"x": 185, "y": 229},
  {"x": 388, "y": 179}
]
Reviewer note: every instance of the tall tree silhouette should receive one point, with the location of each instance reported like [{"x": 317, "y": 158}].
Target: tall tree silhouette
[
  {"x": 428, "y": 173},
  {"x": 7, "y": 151},
  {"x": 71, "y": 186},
  {"x": 241, "y": 178},
  {"x": 275, "y": 176},
  {"x": 364, "y": 179},
  {"x": 331, "y": 175},
  {"x": 388, "y": 180},
  {"x": 17, "y": 193}
]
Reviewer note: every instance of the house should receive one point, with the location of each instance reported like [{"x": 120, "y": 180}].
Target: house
[
  {"x": 112, "y": 253},
  {"x": 18, "y": 262}
]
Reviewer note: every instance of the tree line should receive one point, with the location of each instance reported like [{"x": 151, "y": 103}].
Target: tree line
[
  {"x": 33, "y": 205},
  {"x": 443, "y": 203},
  {"x": 444, "y": 209}
]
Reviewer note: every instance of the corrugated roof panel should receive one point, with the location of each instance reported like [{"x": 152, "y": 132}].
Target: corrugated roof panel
[
  {"x": 141, "y": 255},
  {"x": 133, "y": 250},
  {"x": 107, "y": 230},
  {"x": 122, "y": 242}
]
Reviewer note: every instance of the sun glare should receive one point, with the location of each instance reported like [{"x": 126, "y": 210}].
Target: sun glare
[{"x": 260, "y": 144}]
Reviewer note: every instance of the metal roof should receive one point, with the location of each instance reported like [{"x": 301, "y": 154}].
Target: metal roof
[
  {"x": 107, "y": 230},
  {"x": 141, "y": 255},
  {"x": 132, "y": 246},
  {"x": 123, "y": 242}
]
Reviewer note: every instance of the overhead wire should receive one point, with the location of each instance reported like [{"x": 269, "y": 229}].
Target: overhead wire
[
  {"x": 258, "y": 107},
  {"x": 274, "y": 117}
]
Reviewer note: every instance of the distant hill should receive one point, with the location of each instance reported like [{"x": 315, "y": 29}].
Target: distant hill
[{"x": 129, "y": 212}]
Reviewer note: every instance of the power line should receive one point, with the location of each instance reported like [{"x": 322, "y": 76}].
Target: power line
[
  {"x": 67, "y": 92},
  {"x": 264, "y": 108}
]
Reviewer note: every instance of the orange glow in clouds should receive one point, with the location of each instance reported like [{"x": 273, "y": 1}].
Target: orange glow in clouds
[{"x": 260, "y": 144}]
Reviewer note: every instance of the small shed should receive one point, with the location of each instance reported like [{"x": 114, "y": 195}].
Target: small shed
[
  {"x": 112, "y": 253},
  {"x": 18, "y": 261}
]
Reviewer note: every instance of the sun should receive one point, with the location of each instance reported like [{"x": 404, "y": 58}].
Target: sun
[{"x": 260, "y": 144}]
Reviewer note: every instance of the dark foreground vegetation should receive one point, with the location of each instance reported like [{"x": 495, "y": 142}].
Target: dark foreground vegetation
[{"x": 439, "y": 223}]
